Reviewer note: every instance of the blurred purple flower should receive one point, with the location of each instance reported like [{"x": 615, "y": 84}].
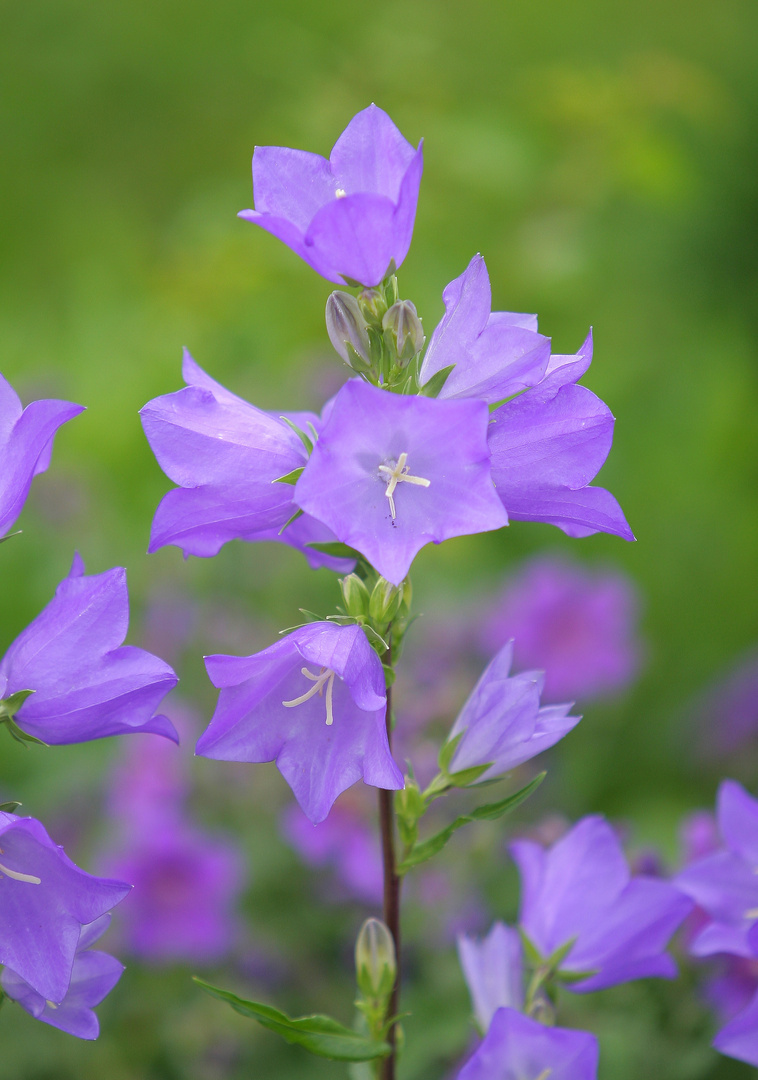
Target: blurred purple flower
[
  {"x": 26, "y": 444},
  {"x": 576, "y": 625},
  {"x": 496, "y": 353},
  {"x": 502, "y": 723},
  {"x": 739, "y": 1039},
  {"x": 581, "y": 889},
  {"x": 547, "y": 445},
  {"x": 325, "y": 728},
  {"x": 493, "y": 969},
  {"x": 343, "y": 842},
  {"x": 516, "y": 1046},
  {"x": 348, "y": 217},
  {"x": 93, "y": 976},
  {"x": 727, "y": 714},
  {"x": 86, "y": 684},
  {"x": 45, "y": 900},
  {"x": 390, "y": 473}
]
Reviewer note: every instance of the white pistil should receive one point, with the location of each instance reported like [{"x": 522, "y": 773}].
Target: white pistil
[
  {"x": 16, "y": 875},
  {"x": 325, "y": 678},
  {"x": 396, "y": 474},
  {"x": 340, "y": 193}
]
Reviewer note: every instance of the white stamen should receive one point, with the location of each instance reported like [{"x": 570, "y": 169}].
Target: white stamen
[
  {"x": 340, "y": 193},
  {"x": 751, "y": 913},
  {"x": 325, "y": 678},
  {"x": 397, "y": 473},
  {"x": 17, "y": 876},
  {"x": 51, "y": 1004}
]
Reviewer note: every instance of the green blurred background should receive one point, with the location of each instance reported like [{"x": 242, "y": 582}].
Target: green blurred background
[{"x": 603, "y": 159}]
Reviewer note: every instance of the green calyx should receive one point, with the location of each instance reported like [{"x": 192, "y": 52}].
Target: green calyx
[{"x": 8, "y": 708}]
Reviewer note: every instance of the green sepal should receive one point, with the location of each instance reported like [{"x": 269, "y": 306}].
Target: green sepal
[
  {"x": 532, "y": 953},
  {"x": 351, "y": 282},
  {"x": 466, "y": 777},
  {"x": 490, "y": 812},
  {"x": 575, "y": 976},
  {"x": 433, "y": 387},
  {"x": 336, "y": 549},
  {"x": 321, "y": 1035},
  {"x": 9, "y": 706},
  {"x": 18, "y": 734},
  {"x": 376, "y": 640},
  {"x": 448, "y": 752},
  {"x": 298, "y": 513},
  {"x": 304, "y": 439},
  {"x": 4, "y": 538},
  {"x": 389, "y": 675},
  {"x": 9, "y": 807},
  {"x": 290, "y": 477},
  {"x": 310, "y": 617}
]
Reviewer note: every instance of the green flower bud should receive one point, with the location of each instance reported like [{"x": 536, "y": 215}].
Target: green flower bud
[
  {"x": 347, "y": 331},
  {"x": 355, "y": 596},
  {"x": 403, "y": 325},
  {"x": 375, "y": 963},
  {"x": 373, "y": 304},
  {"x": 385, "y": 601}
]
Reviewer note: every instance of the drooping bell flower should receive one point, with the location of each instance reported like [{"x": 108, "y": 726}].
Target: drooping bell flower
[
  {"x": 315, "y": 703},
  {"x": 493, "y": 969},
  {"x": 26, "y": 443},
  {"x": 517, "y": 1046},
  {"x": 581, "y": 890},
  {"x": 391, "y": 473},
  {"x": 348, "y": 217},
  {"x": 93, "y": 976},
  {"x": 45, "y": 900},
  {"x": 85, "y": 684},
  {"x": 495, "y": 353},
  {"x": 502, "y": 723}
]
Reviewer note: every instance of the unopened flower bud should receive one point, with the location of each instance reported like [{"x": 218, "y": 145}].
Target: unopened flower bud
[
  {"x": 405, "y": 328},
  {"x": 375, "y": 963},
  {"x": 355, "y": 595},
  {"x": 385, "y": 601},
  {"x": 373, "y": 304},
  {"x": 347, "y": 332}
]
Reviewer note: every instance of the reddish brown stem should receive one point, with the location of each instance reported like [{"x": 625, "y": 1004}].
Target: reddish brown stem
[{"x": 391, "y": 892}]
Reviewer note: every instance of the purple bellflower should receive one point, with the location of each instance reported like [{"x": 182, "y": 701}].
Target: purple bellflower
[
  {"x": 390, "y": 473},
  {"x": 496, "y": 353},
  {"x": 86, "y": 684},
  {"x": 519, "y": 1048},
  {"x": 739, "y": 1038},
  {"x": 45, "y": 900},
  {"x": 493, "y": 969},
  {"x": 548, "y": 444},
  {"x": 226, "y": 456},
  {"x": 724, "y": 884},
  {"x": 315, "y": 703},
  {"x": 502, "y": 723},
  {"x": 349, "y": 217},
  {"x": 26, "y": 444},
  {"x": 93, "y": 976},
  {"x": 579, "y": 627},
  {"x": 581, "y": 890}
]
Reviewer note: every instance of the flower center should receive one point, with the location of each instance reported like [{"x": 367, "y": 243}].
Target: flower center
[
  {"x": 16, "y": 875},
  {"x": 325, "y": 678},
  {"x": 397, "y": 473}
]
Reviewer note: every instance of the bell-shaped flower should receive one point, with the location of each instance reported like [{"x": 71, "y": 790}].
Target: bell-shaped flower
[
  {"x": 548, "y": 444},
  {"x": 26, "y": 443},
  {"x": 496, "y": 353},
  {"x": 226, "y": 456},
  {"x": 580, "y": 891},
  {"x": 493, "y": 969},
  {"x": 45, "y": 900},
  {"x": 85, "y": 684},
  {"x": 517, "y": 1046},
  {"x": 390, "y": 473},
  {"x": 315, "y": 703},
  {"x": 93, "y": 976},
  {"x": 724, "y": 884},
  {"x": 351, "y": 216},
  {"x": 502, "y": 724},
  {"x": 739, "y": 1038}
]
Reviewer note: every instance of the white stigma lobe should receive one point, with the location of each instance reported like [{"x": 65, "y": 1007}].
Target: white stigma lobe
[{"x": 397, "y": 474}]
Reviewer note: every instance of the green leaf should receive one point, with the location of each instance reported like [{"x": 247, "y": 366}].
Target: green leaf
[
  {"x": 319, "y": 1034},
  {"x": 9, "y": 807},
  {"x": 437, "y": 381},
  {"x": 336, "y": 550},
  {"x": 448, "y": 750},
  {"x": 16, "y": 533},
  {"x": 490, "y": 812},
  {"x": 290, "y": 477}
]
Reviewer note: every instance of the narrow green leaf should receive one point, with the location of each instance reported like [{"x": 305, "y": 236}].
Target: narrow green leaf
[
  {"x": 9, "y": 807},
  {"x": 298, "y": 513},
  {"x": 290, "y": 477},
  {"x": 490, "y": 812},
  {"x": 321, "y": 1035},
  {"x": 433, "y": 387}
]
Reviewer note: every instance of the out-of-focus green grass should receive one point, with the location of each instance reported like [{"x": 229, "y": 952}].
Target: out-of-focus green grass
[{"x": 603, "y": 160}]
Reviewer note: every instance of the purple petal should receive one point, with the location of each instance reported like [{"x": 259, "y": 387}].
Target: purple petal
[
  {"x": 517, "y": 1046},
  {"x": 723, "y": 884},
  {"x": 493, "y": 970},
  {"x": 739, "y": 1039},
  {"x": 737, "y": 815},
  {"x": 291, "y": 184},
  {"x": 353, "y": 236},
  {"x": 371, "y": 155},
  {"x": 577, "y": 513},
  {"x": 563, "y": 370}
]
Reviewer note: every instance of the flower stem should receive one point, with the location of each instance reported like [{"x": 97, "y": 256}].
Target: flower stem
[{"x": 391, "y": 889}]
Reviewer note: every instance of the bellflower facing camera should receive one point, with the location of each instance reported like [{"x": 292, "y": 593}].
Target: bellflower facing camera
[
  {"x": 45, "y": 901},
  {"x": 348, "y": 217},
  {"x": 93, "y": 976},
  {"x": 315, "y": 703},
  {"x": 84, "y": 683},
  {"x": 493, "y": 969},
  {"x": 581, "y": 890},
  {"x": 502, "y": 723},
  {"x": 390, "y": 473},
  {"x": 26, "y": 443},
  {"x": 496, "y": 353},
  {"x": 548, "y": 444},
  {"x": 516, "y": 1046}
]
